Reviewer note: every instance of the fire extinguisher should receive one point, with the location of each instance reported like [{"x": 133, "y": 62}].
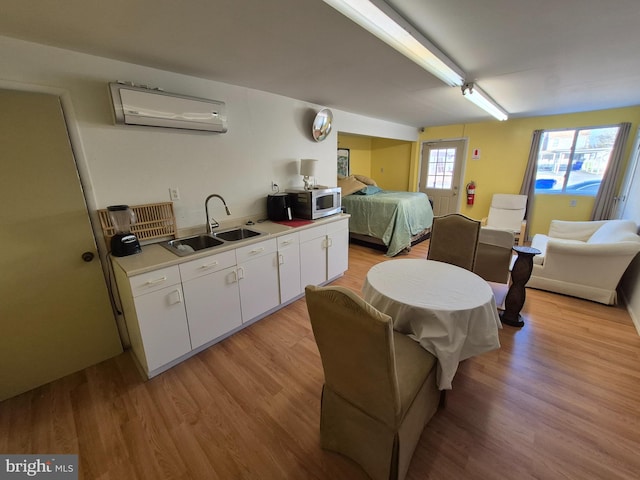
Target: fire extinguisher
[{"x": 471, "y": 192}]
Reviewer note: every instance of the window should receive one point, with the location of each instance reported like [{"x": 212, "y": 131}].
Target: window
[
  {"x": 573, "y": 161},
  {"x": 441, "y": 165}
]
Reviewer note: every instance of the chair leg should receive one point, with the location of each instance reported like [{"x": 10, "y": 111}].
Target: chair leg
[{"x": 443, "y": 399}]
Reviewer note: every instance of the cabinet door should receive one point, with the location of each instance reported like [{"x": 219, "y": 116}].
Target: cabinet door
[
  {"x": 213, "y": 305},
  {"x": 289, "y": 267},
  {"x": 337, "y": 248},
  {"x": 258, "y": 280},
  {"x": 163, "y": 326},
  {"x": 313, "y": 262}
]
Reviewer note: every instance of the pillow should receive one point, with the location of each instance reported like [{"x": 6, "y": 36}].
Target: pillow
[
  {"x": 369, "y": 190},
  {"x": 365, "y": 180},
  {"x": 350, "y": 185},
  {"x": 615, "y": 231}
]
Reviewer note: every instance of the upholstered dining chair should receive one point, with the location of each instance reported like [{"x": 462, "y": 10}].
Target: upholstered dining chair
[
  {"x": 454, "y": 240},
  {"x": 380, "y": 386},
  {"x": 507, "y": 212},
  {"x": 493, "y": 260}
]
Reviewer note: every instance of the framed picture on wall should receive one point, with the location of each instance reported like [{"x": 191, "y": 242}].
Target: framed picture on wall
[{"x": 343, "y": 162}]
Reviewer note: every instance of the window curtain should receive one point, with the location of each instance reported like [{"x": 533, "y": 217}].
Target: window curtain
[
  {"x": 528, "y": 182},
  {"x": 606, "y": 198}
]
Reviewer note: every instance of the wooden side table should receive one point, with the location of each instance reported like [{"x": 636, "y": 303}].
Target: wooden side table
[{"x": 516, "y": 295}]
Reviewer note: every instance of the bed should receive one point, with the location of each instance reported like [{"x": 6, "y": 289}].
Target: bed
[{"x": 391, "y": 218}]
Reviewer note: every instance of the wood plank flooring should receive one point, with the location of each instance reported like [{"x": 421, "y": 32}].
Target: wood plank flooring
[{"x": 559, "y": 400}]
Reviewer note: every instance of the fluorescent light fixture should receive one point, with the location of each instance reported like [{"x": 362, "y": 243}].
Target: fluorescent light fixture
[
  {"x": 484, "y": 101},
  {"x": 397, "y": 33}
]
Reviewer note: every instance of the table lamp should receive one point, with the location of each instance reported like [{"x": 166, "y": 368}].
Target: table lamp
[{"x": 307, "y": 170}]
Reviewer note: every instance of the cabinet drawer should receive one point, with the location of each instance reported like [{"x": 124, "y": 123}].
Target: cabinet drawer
[
  {"x": 202, "y": 266},
  {"x": 256, "y": 250},
  {"x": 312, "y": 233},
  {"x": 286, "y": 241},
  {"x": 152, "y": 281}
]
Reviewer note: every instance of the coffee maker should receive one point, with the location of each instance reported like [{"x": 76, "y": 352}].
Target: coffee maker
[{"x": 123, "y": 242}]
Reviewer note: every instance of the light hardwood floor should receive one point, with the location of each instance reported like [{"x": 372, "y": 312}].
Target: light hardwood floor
[{"x": 559, "y": 400}]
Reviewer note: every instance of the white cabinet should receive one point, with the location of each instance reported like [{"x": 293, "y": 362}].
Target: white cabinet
[
  {"x": 211, "y": 296},
  {"x": 337, "y": 248},
  {"x": 313, "y": 256},
  {"x": 324, "y": 252},
  {"x": 289, "y": 266},
  {"x": 156, "y": 318},
  {"x": 258, "y": 278},
  {"x": 174, "y": 311}
]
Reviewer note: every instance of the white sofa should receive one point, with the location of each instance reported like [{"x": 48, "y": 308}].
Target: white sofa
[{"x": 584, "y": 259}]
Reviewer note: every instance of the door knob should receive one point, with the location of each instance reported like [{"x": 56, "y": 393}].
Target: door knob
[{"x": 87, "y": 256}]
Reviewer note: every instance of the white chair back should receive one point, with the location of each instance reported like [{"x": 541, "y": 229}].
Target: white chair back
[{"x": 507, "y": 211}]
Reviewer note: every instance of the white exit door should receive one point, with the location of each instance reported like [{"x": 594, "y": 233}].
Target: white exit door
[
  {"x": 55, "y": 315},
  {"x": 440, "y": 174}
]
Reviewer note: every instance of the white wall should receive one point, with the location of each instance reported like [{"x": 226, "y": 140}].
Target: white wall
[
  {"x": 631, "y": 280},
  {"x": 267, "y": 136}
]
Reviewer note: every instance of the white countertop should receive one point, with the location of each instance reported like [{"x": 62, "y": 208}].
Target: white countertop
[{"x": 155, "y": 256}]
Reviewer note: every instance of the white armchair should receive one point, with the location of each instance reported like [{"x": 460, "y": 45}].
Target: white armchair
[
  {"x": 584, "y": 259},
  {"x": 507, "y": 213}
]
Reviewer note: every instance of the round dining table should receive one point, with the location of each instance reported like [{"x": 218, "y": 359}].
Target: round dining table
[{"x": 450, "y": 311}]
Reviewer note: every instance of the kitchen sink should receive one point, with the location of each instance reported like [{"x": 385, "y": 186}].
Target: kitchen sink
[
  {"x": 205, "y": 241},
  {"x": 189, "y": 245},
  {"x": 235, "y": 234}
]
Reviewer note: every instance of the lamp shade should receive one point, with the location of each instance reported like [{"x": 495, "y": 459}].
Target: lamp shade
[{"x": 308, "y": 167}]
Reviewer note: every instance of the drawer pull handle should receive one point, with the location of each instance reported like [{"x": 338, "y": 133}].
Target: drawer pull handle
[
  {"x": 240, "y": 273},
  {"x": 287, "y": 242},
  {"x": 281, "y": 259},
  {"x": 256, "y": 250},
  {"x": 209, "y": 265},
  {"x": 156, "y": 281}
]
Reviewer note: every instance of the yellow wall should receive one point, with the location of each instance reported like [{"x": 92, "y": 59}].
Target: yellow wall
[
  {"x": 391, "y": 163},
  {"x": 359, "y": 152},
  {"x": 386, "y": 161},
  {"x": 504, "y": 150}
]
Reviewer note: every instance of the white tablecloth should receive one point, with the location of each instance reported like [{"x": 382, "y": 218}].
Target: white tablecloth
[{"x": 449, "y": 310}]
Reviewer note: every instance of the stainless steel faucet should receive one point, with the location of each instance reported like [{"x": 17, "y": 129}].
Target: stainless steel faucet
[{"x": 211, "y": 222}]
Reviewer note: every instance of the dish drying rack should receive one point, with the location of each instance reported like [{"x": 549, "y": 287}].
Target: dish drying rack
[{"x": 153, "y": 220}]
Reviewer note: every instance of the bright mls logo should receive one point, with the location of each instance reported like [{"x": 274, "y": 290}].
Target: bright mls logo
[{"x": 51, "y": 467}]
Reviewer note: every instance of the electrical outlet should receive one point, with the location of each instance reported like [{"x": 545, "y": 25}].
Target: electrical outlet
[
  {"x": 174, "y": 193},
  {"x": 274, "y": 187}
]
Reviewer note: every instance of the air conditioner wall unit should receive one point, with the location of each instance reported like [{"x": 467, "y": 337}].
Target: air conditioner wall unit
[{"x": 134, "y": 105}]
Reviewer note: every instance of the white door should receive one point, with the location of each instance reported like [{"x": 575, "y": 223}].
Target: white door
[
  {"x": 55, "y": 315},
  {"x": 289, "y": 267},
  {"x": 258, "y": 278},
  {"x": 337, "y": 248},
  {"x": 628, "y": 203},
  {"x": 313, "y": 256},
  {"x": 163, "y": 326},
  {"x": 213, "y": 305},
  {"x": 440, "y": 174}
]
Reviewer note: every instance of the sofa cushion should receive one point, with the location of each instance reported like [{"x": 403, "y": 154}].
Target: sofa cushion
[{"x": 615, "y": 231}]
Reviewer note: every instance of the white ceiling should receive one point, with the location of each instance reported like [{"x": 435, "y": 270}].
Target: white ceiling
[{"x": 534, "y": 57}]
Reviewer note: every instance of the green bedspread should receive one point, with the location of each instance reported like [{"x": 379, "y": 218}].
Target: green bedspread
[{"x": 393, "y": 217}]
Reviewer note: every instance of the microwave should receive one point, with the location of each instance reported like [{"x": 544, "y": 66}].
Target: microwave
[{"x": 315, "y": 203}]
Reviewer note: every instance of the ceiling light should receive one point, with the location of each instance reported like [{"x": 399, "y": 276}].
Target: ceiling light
[
  {"x": 389, "y": 27},
  {"x": 484, "y": 101}
]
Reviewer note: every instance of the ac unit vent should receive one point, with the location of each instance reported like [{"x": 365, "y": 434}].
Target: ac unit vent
[{"x": 134, "y": 105}]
